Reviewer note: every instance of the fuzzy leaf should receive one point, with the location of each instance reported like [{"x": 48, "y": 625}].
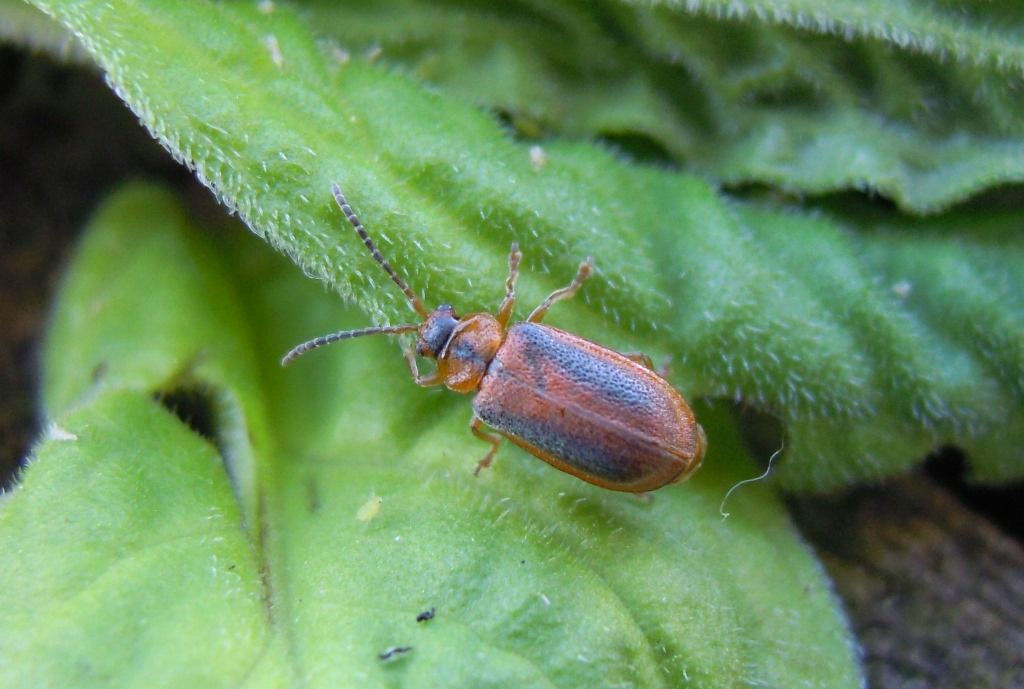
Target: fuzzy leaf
[
  {"x": 151, "y": 309},
  {"x": 915, "y": 101},
  {"x": 128, "y": 562},
  {"x": 918, "y": 103},
  {"x": 269, "y": 119},
  {"x": 136, "y": 566}
]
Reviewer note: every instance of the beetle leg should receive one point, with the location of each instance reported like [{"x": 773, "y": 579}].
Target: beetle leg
[
  {"x": 645, "y": 361},
  {"x": 639, "y": 358},
  {"x": 666, "y": 366},
  {"x": 505, "y": 310},
  {"x": 495, "y": 440},
  {"x": 565, "y": 293},
  {"x": 414, "y": 370}
]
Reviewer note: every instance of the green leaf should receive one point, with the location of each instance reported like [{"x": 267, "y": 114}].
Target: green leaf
[
  {"x": 915, "y": 102},
  {"x": 183, "y": 329},
  {"x": 269, "y": 118},
  {"x": 931, "y": 28},
  {"x": 918, "y": 102},
  {"x": 136, "y": 565},
  {"x": 128, "y": 562}
]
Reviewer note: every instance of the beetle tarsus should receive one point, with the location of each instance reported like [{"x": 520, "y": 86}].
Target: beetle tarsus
[
  {"x": 476, "y": 425},
  {"x": 586, "y": 267},
  {"x": 640, "y": 358},
  {"x": 509, "y": 302},
  {"x": 429, "y": 380}
]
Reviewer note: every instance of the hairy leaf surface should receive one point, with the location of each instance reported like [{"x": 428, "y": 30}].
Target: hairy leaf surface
[
  {"x": 147, "y": 554},
  {"x": 797, "y": 314}
]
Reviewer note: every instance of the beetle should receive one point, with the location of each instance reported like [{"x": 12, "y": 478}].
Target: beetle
[{"x": 604, "y": 417}]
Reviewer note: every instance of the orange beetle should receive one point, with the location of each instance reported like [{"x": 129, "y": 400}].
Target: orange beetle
[{"x": 601, "y": 416}]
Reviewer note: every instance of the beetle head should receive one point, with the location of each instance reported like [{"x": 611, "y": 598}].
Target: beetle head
[{"x": 436, "y": 331}]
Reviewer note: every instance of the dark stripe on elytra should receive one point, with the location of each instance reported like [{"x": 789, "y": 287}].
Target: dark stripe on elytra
[
  {"x": 543, "y": 350},
  {"x": 579, "y": 451},
  {"x": 553, "y": 433},
  {"x": 534, "y": 353}
]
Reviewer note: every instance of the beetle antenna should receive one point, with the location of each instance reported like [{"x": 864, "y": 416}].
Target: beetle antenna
[
  {"x": 346, "y": 335},
  {"x": 351, "y": 215}
]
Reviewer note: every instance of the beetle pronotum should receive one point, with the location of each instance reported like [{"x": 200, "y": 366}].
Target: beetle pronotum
[{"x": 601, "y": 416}]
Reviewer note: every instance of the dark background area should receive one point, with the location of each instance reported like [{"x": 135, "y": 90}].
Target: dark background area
[{"x": 930, "y": 569}]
